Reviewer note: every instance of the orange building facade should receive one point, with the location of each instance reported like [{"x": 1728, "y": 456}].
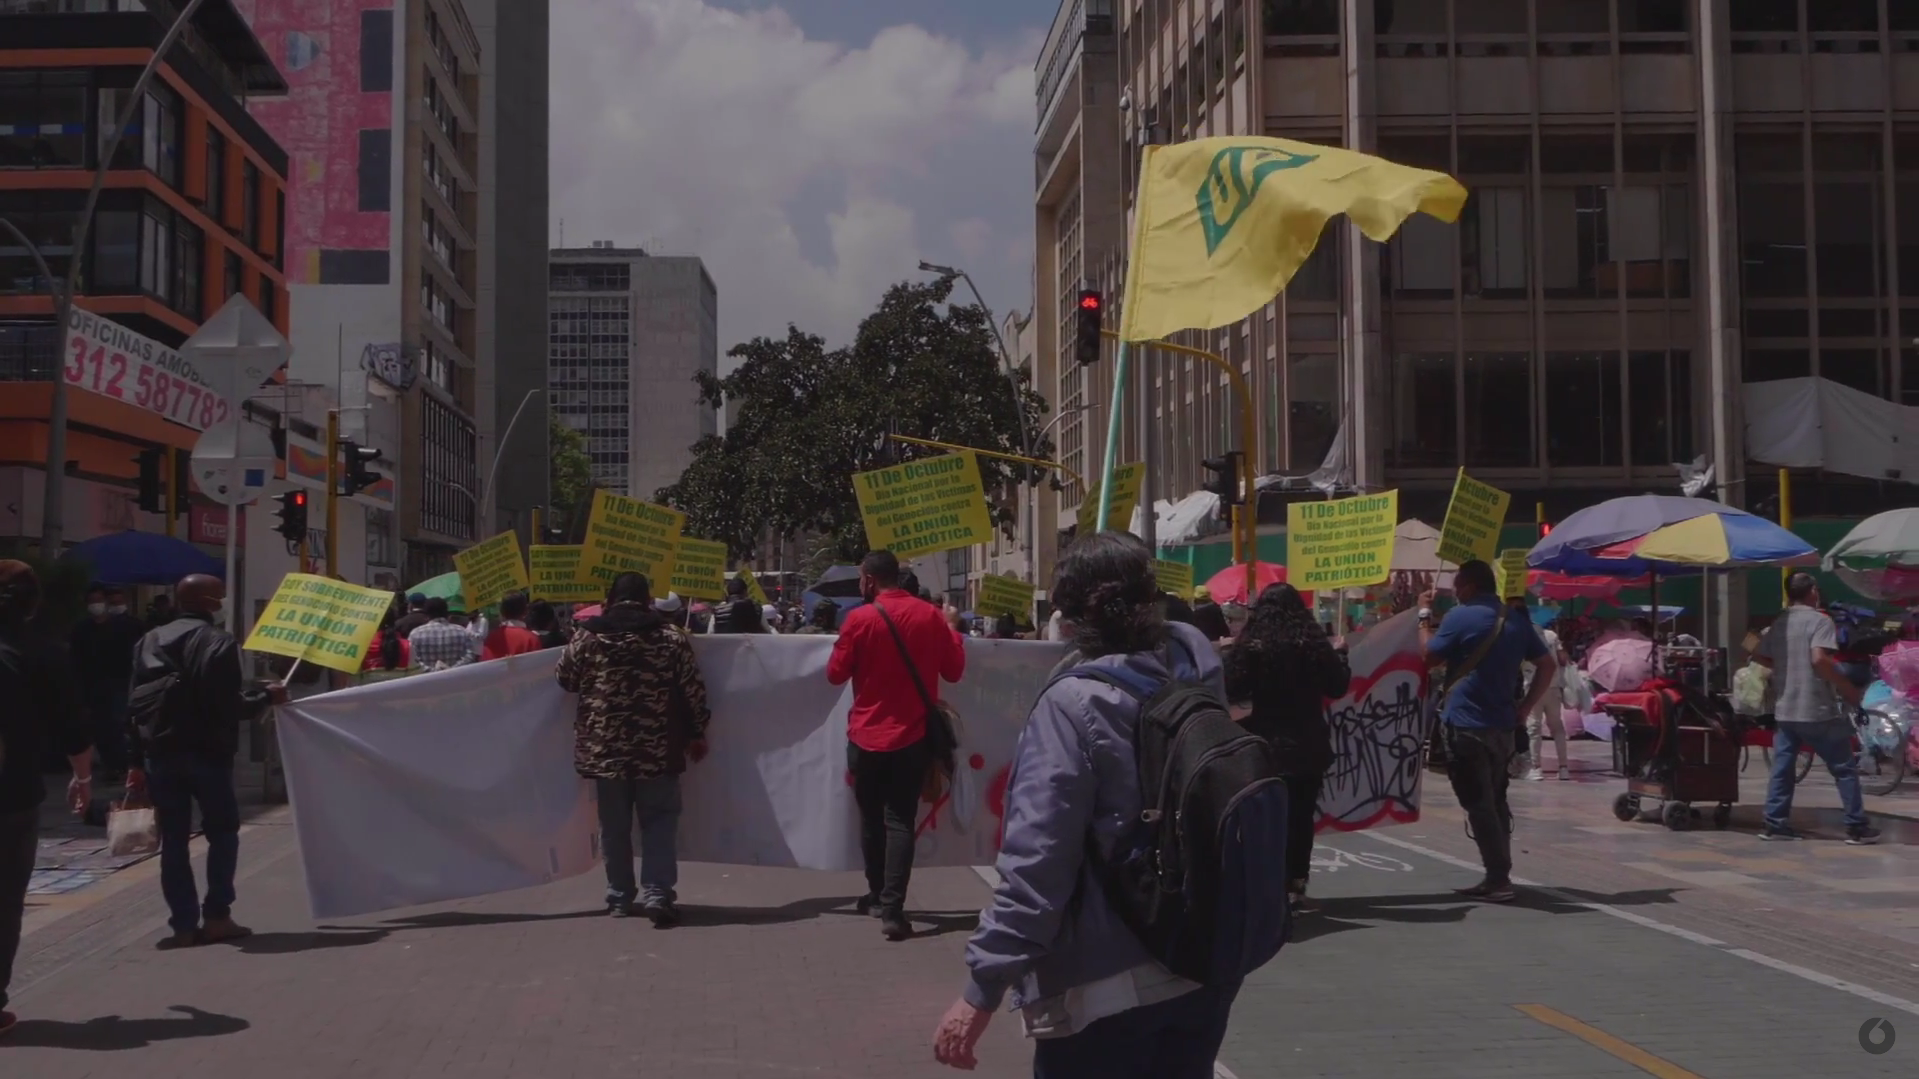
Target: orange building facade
[{"x": 192, "y": 212}]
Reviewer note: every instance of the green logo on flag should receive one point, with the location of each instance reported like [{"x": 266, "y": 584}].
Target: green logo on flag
[{"x": 1232, "y": 182}]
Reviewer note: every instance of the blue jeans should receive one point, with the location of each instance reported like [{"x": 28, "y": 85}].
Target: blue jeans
[
  {"x": 655, "y": 803},
  {"x": 176, "y": 783},
  {"x": 1174, "y": 1039},
  {"x": 1832, "y": 741}
]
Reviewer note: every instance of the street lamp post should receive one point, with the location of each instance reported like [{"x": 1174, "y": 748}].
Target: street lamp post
[
  {"x": 1030, "y": 510},
  {"x": 53, "y": 503},
  {"x": 499, "y": 450}
]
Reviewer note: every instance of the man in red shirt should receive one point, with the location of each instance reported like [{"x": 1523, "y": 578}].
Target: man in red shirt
[
  {"x": 887, "y": 749},
  {"x": 510, "y": 637}
]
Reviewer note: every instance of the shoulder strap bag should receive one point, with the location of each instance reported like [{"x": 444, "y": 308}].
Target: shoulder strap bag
[{"x": 941, "y": 734}]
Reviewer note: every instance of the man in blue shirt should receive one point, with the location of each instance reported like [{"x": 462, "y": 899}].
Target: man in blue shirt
[{"x": 1483, "y": 646}]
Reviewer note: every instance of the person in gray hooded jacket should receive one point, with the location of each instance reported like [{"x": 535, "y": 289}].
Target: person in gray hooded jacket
[{"x": 1092, "y": 998}]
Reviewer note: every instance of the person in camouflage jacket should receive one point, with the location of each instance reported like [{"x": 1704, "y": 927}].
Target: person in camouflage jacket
[{"x": 642, "y": 713}]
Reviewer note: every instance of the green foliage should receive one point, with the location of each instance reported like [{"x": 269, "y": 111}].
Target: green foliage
[
  {"x": 571, "y": 472},
  {"x": 809, "y": 418}
]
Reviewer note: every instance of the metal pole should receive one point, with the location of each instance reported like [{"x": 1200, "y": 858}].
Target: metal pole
[
  {"x": 1120, "y": 370},
  {"x": 167, "y": 514},
  {"x": 493, "y": 473},
  {"x": 332, "y": 492},
  {"x": 1149, "y": 525},
  {"x": 1785, "y": 522},
  {"x": 1031, "y": 462},
  {"x": 53, "y": 503},
  {"x": 1019, "y": 417}
]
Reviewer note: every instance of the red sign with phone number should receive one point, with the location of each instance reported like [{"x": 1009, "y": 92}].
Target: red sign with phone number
[{"x": 113, "y": 361}]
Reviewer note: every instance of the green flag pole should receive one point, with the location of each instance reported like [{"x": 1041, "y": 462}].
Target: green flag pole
[{"x": 1112, "y": 435}]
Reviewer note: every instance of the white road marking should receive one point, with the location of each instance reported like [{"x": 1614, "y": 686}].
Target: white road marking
[{"x": 1641, "y": 920}]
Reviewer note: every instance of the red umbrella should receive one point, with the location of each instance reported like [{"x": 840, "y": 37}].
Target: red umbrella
[
  {"x": 1229, "y": 584},
  {"x": 1549, "y": 585},
  {"x": 581, "y": 614}
]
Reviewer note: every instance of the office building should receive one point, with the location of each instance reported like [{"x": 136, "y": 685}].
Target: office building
[
  {"x": 191, "y": 214},
  {"x": 384, "y": 232},
  {"x": 1671, "y": 199},
  {"x": 628, "y": 333},
  {"x": 511, "y": 317}
]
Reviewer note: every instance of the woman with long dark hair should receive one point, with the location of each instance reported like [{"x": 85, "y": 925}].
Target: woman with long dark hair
[{"x": 1286, "y": 666}]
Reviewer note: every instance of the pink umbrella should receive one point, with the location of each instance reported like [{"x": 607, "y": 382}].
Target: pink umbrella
[
  {"x": 581, "y": 614},
  {"x": 1229, "y": 584},
  {"x": 1622, "y": 664}
]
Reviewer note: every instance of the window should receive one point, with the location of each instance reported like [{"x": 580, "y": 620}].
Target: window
[
  {"x": 439, "y": 369},
  {"x": 1659, "y": 387},
  {"x": 1312, "y": 411},
  {"x": 1864, "y": 369},
  {"x": 1766, "y": 16},
  {"x": 376, "y": 50},
  {"x": 216, "y": 166},
  {"x": 375, "y": 172},
  {"x": 269, "y": 298},
  {"x": 448, "y": 445},
  {"x": 1647, "y": 26},
  {"x": 1770, "y": 364},
  {"x": 1421, "y": 266},
  {"x": 160, "y": 136},
  {"x": 189, "y": 251},
  {"x": 1584, "y": 419},
  {"x": 156, "y": 251},
  {"x": 235, "y": 276},
  {"x": 1499, "y": 409},
  {"x": 43, "y": 119},
  {"x": 1303, "y": 27},
  {"x": 1318, "y": 276},
  {"x": 1494, "y": 256},
  {"x": 47, "y": 219},
  {"x": 1425, "y": 421},
  {"x": 250, "y": 205},
  {"x": 116, "y": 250},
  {"x": 1490, "y": 16},
  {"x": 1772, "y": 238},
  {"x": 435, "y": 302}
]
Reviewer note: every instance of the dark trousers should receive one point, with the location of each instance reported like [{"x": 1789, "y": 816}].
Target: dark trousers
[
  {"x": 887, "y": 788},
  {"x": 177, "y": 783},
  {"x": 107, "y": 713},
  {"x": 1302, "y": 812},
  {"x": 655, "y": 805},
  {"x": 1174, "y": 1039},
  {"x": 19, "y": 838},
  {"x": 1477, "y": 762}
]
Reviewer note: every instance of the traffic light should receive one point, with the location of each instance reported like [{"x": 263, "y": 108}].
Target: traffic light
[
  {"x": 182, "y": 482},
  {"x": 293, "y": 515},
  {"x": 357, "y": 477},
  {"x": 1545, "y": 529},
  {"x": 152, "y": 496},
  {"x": 1226, "y": 483},
  {"x": 1092, "y": 306}
]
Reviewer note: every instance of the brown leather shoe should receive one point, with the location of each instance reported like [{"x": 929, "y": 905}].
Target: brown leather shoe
[
  {"x": 220, "y": 930},
  {"x": 178, "y": 941}
]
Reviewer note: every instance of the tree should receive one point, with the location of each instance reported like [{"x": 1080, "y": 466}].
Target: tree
[
  {"x": 808, "y": 418},
  {"x": 570, "y": 475}
]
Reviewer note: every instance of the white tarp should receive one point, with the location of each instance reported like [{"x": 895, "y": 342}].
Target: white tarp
[
  {"x": 1818, "y": 423},
  {"x": 461, "y": 783}
]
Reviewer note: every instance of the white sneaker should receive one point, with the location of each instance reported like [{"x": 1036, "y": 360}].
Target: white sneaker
[
  {"x": 1565, "y": 774},
  {"x": 1535, "y": 775}
]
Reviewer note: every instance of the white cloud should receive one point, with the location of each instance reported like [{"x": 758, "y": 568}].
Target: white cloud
[{"x": 807, "y": 174}]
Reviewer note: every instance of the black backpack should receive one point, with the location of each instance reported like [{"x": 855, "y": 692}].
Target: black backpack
[{"x": 1201, "y": 877}]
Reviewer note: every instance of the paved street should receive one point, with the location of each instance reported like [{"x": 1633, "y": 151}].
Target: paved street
[{"x": 1642, "y": 952}]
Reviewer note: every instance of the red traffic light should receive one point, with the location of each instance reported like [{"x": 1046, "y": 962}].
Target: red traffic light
[
  {"x": 1089, "y": 301},
  {"x": 298, "y": 498},
  {"x": 1545, "y": 530}
]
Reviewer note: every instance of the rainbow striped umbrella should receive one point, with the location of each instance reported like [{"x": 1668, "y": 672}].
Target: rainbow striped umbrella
[{"x": 1665, "y": 534}]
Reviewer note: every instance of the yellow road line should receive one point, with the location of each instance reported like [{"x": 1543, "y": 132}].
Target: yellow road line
[{"x": 1599, "y": 1039}]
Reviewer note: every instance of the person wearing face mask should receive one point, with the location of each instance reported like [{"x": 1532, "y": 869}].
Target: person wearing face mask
[
  {"x": 186, "y": 709},
  {"x": 102, "y": 649}
]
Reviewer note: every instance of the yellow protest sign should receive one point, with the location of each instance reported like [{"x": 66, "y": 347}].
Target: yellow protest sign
[
  {"x": 320, "y": 621},
  {"x": 554, "y": 574},
  {"x": 921, "y": 507},
  {"x": 1126, "y": 481},
  {"x": 1511, "y": 570},
  {"x": 1473, "y": 521},
  {"x": 1344, "y": 543},
  {"x": 1174, "y": 577},
  {"x": 626, "y": 535},
  {"x": 699, "y": 570},
  {"x": 490, "y": 569},
  {"x": 1004, "y": 595}
]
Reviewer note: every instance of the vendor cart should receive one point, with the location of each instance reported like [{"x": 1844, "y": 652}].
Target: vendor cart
[{"x": 1676, "y": 747}]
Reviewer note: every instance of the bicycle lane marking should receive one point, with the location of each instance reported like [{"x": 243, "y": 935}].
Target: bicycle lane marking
[{"x": 1803, "y": 973}]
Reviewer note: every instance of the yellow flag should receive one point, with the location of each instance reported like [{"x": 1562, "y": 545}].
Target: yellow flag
[{"x": 1222, "y": 224}]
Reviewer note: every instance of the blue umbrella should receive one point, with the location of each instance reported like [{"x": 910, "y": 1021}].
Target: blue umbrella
[
  {"x": 838, "y": 582},
  {"x": 1665, "y": 534},
  {"x": 144, "y": 558}
]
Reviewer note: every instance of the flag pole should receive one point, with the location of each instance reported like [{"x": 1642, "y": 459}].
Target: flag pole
[{"x": 1112, "y": 434}]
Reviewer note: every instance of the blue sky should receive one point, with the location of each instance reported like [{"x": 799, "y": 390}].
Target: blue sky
[{"x": 811, "y": 151}]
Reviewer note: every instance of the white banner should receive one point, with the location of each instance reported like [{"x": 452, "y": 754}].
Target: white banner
[
  {"x": 1379, "y": 731},
  {"x": 113, "y": 361},
  {"x": 450, "y": 785}
]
